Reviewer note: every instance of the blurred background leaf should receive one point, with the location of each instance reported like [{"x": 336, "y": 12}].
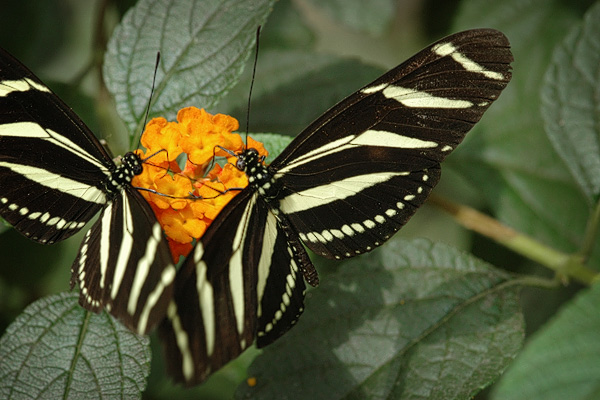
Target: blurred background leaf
[
  {"x": 571, "y": 100},
  {"x": 561, "y": 360}
]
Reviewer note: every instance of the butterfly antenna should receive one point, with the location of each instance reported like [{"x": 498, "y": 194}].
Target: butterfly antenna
[
  {"x": 150, "y": 98},
  {"x": 252, "y": 82}
]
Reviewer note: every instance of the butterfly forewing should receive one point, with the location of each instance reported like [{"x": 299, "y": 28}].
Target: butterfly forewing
[
  {"x": 436, "y": 96},
  {"x": 39, "y": 135},
  {"x": 359, "y": 172}
]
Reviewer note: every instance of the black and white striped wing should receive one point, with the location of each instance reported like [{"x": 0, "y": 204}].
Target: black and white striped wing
[
  {"x": 124, "y": 264},
  {"x": 55, "y": 176},
  {"x": 224, "y": 292},
  {"x": 39, "y": 137},
  {"x": 358, "y": 173}
]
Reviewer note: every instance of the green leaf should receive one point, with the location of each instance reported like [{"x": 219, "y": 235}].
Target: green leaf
[
  {"x": 413, "y": 320},
  {"x": 285, "y": 29},
  {"x": 571, "y": 100},
  {"x": 292, "y": 88},
  {"x": 38, "y": 37},
  {"x": 561, "y": 360},
  {"x": 373, "y": 16},
  {"x": 55, "y": 349},
  {"x": 273, "y": 143},
  {"x": 203, "y": 45},
  {"x": 507, "y": 156}
]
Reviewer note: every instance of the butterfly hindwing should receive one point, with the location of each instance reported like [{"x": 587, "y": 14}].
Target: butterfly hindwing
[
  {"x": 281, "y": 294},
  {"x": 241, "y": 281},
  {"x": 348, "y": 217},
  {"x": 124, "y": 264},
  {"x": 211, "y": 319}
]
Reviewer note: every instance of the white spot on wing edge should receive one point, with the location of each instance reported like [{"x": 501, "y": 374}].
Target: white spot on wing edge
[
  {"x": 391, "y": 212},
  {"x": 347, "y": 230},
  {"x": 337, "y": 233},
  {"x": 358, "y": 227},
  {"x": 369, "y": 224},
  {"x": 327, "y": 235}
]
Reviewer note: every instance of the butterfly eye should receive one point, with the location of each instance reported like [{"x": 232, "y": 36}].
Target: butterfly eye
[{"x": 241, "y": 162}]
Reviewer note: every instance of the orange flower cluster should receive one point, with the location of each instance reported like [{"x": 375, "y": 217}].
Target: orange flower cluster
[{"x": 189, "y": 199}]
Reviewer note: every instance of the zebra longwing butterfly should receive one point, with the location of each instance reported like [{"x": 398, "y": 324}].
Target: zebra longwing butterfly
[
  {"x": 55, "y": 176},
  {"x": 344, "y": 186}
]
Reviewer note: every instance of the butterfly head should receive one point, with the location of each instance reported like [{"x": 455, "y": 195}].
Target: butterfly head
[
  {"x": 132, "y": 163},
  {"x": 248, "y": 160}
]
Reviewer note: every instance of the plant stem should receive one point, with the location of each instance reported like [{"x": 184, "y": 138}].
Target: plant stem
[
  {"x": 566, "y": 265},
  {"x": 591, "y": 232}
]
